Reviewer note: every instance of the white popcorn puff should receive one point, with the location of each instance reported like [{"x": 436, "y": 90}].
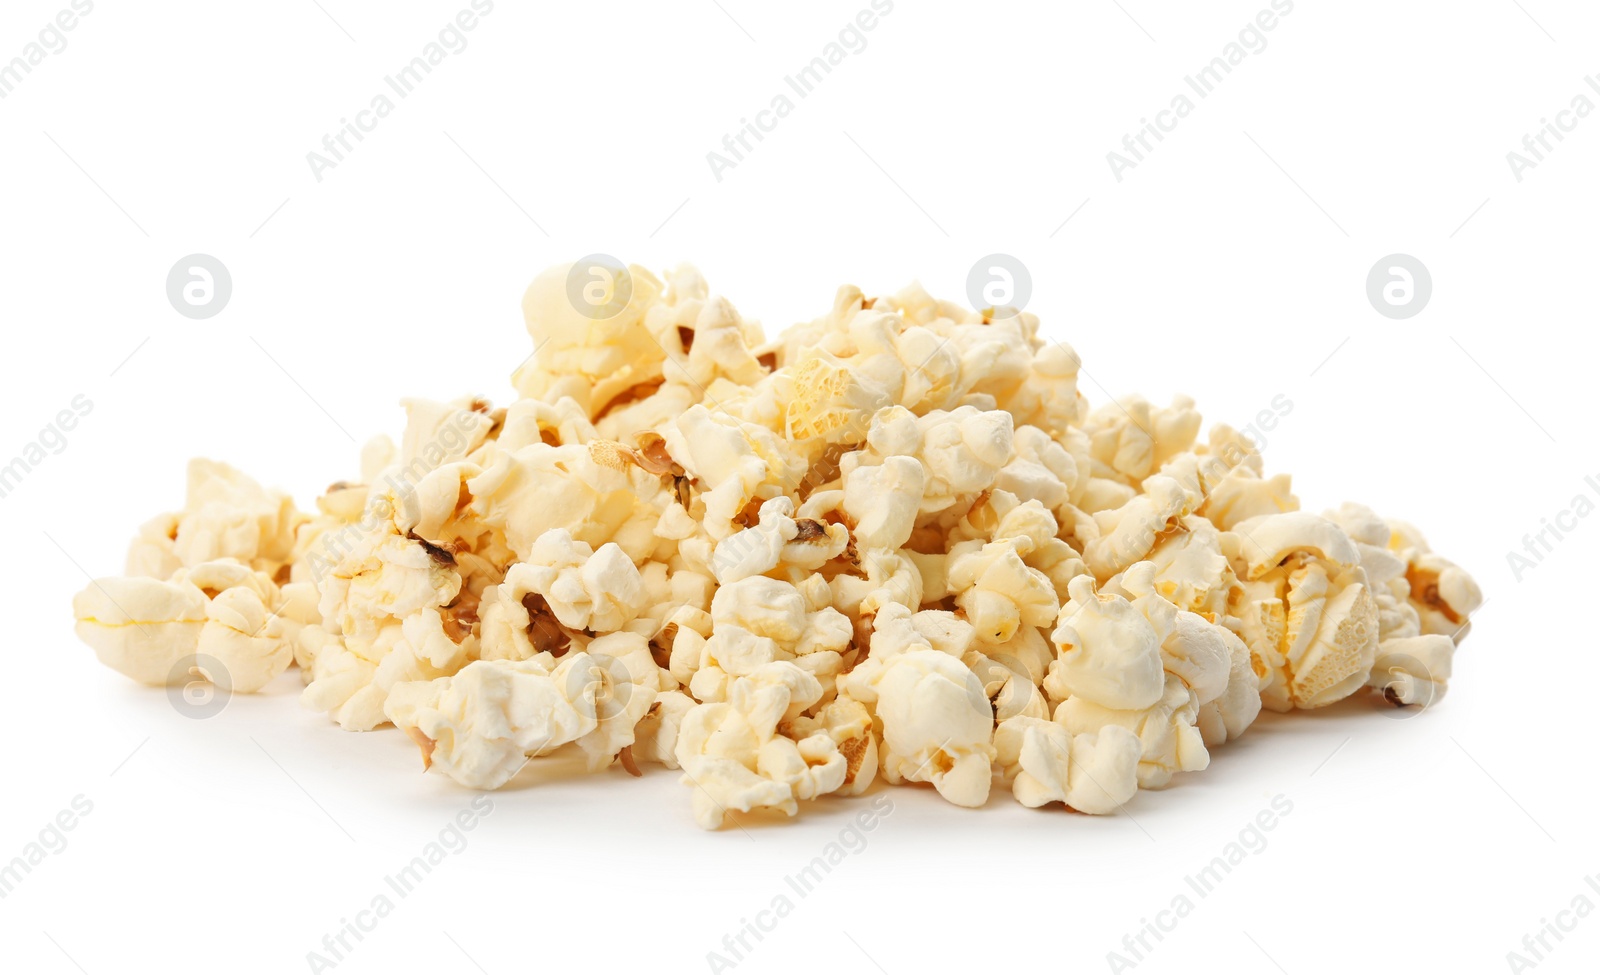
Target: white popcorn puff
[
  {"x": 1307, "y": 613},
  {"x": 937, "y": 724},
  {"x": 1106, "y": 652},
  {"x": 219, "y": 619},
  {"x": 242, "y": 630},
  {"x": 1413, "y": 670},
  {"x": 1236, "y": 709},
  {"x": 1093, "y": 773},
  {"x": 139, "y": 626},
  {"x": 998, "y": 591},
  {"x": 593, "y": 360},
  {"x": 656, "y": 736},
  {"x": 735, "y": 758},
  {"x": 1129, "y": 532},
  {"x": 849, "y": 724},
  {"x": 894, "y": 543},
  {"x": 1171, "y": 742},
  {"x": 1443, "y": 594},
  {"x": 481, "y": 726},
  {"x": 587, "y": 589},
  {"x": 225, "y": 516},
  {"x": 963, "y": 451},
  {"x": 883, "y": 500},
  {"x": 515, "y": 622}
]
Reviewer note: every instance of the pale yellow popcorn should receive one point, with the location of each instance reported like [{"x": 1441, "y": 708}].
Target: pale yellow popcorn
[
  {"x": 1442, "y": 593},
  {"x": 226, "y": 515},
  {"x": 849, "y": 724},
  {"x": 1094, "y": 772},
  {"x": 656, "y": 736},
  {"x": 937, "y": 723},
  {"x": 998, "y": 591},
  {"x": 895, "y": 541},
  {"x": 1128, "y": 533},
  {"x": 1413, "y": 670},
  {"x": 593, "y": 491},
  {"x": 1007, "y": 683},
  {"x": 218, "y": 620},
  {"x": 883, "y": 500},
  {"x": 734, "y": 462},
  {"x": 1107, "y": 652},
  {"x": 140, "y": 626},
  {"x": 963, "y": 451},
  {"x": 937, "y": 726},
  {"x": 1307, "y": 613},
  {"x": 583, "y": 352},
  {"x": 1167, "y": 730},
  {"x": 890, "y": 577},
  {"x": 757, "y": 621},
  {"x": 588, "y": 589},
  {"x": 481, "y": 726},
  {"x": 531, "y": 421},
  {"x": 778, "y": 539},
  {"x": 515, "y": 622},
  {"x": 243, "y": 633},
  {"x": 1131, "y": 439},
  {"x": 735, "y": 758},
  {"x": 1237, "y": 707}
]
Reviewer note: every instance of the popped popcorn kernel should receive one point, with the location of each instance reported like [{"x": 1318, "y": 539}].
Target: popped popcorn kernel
[{"x": 893, "y": 545}]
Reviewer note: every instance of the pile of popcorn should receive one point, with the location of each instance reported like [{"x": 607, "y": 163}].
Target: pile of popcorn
[{"x": 894, "y": 542}]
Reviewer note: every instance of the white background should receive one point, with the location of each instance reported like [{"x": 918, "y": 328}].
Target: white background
[{"x": 1230, "y": 265}]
